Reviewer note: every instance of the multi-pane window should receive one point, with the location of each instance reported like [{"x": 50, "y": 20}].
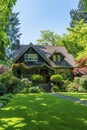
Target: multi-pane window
[
  {"x": 31, "y": 57},
  {"x": 56, "y": 57}
]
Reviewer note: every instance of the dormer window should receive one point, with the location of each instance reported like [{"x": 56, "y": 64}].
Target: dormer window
[
  {"x": 31, "y": 57},
  {"x": 56, "y": 57}
]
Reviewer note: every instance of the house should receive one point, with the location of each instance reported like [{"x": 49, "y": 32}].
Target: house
[{"x": 45, "y": 60}]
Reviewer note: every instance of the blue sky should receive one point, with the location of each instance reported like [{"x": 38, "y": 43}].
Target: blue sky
[{"x": 37, "y": 15}]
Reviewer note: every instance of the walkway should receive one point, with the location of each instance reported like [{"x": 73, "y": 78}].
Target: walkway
[{"x": 76, "y": 100}]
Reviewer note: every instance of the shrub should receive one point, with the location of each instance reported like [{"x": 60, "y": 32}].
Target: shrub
[
  {"x": 55, "y": 89},
  {"x": 83, "y": 82},
  {"x": 10, "y": 81},
  {"x": 72, "y": 87},
  {"x": 56, "y": 78},
  {"x": 37, "y": 78},
  {"x": 34, "y": 90},
  {"x": 3, "y": 69},
  {"x": 3, "y": 89},
  {"x": 77, "y": 80},
  {"x": 5, "y": 99},
  {"x": 19, "y": 69},
  {"x": 65, "y": 84},
  {"x": 26, "y": 84}
]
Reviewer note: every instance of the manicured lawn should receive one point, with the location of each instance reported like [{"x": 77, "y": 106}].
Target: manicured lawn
[
  {"x": 42, "y": 112},
  {"x": 81, "y": 96}
]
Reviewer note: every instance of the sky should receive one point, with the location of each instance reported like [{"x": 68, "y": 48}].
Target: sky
[{"x": 37, "y": 15}]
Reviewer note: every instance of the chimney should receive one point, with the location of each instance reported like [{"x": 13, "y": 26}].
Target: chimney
[{"x": 17, "y": 44}]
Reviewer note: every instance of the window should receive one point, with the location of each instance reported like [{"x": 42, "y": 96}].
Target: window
[
  {"x": 31, "y": 57},
  {"x": 56, "y": 57}
]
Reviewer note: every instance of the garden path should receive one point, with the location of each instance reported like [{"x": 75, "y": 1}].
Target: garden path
[{"x": 73, "y": 99}]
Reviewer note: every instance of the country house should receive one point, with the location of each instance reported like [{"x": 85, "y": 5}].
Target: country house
[{"x": 45, "y": 60}]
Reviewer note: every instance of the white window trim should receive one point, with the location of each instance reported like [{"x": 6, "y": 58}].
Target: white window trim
[{"x": 28, "y": 57}]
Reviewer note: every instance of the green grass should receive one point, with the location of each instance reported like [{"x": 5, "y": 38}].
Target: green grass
[
  {"x": 81, "y": 96},
  {"x": 42, "y": 112}
]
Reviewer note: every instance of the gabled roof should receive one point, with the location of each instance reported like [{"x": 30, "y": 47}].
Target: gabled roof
[
  {"x": 46, "y": 52},
  {"x": 19, "y": 52}
]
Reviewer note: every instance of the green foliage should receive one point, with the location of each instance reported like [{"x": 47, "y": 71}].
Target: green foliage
[
  {"x": 3, "y": 89},
  {"x": 34, "y": 90},
  {"x": 56, "y": 78},
  {"x": 50, "y": 38},
  {"x": 82, "y": 54},
  {"x": 86, "y": 5},
  {"x": 79, "y": 13},
  {"x": 5, "y": 11},
  {"x": 19, "y": 69},
  {"x": 5, "y": 99},
  {"x": 37, "y": 78},
  {"x": 75, "y": 40},
  {"x": 77, "y": 80},
  {"x": 12, "y": 30},
  {"x": 78, "y": 85},
  {"x": 26, "y": 84},
  {"x": 55, "y": 89},
  {"x": 10, "y": 81},
  {"x": 72, "y": 87},
  {"x": 65, "y": 84},
  {"x": 83, "y": 82}
]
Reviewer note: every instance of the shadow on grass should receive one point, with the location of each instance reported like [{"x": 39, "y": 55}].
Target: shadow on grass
[{"x": 42, "y": 112}]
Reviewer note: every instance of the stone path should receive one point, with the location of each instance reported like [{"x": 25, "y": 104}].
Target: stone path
[{"x": 73, "y": 99}]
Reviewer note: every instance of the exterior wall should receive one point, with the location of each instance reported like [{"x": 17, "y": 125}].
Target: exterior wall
[
  {"x": 30, "y": 51},
  {"x": 64, "y": 71}
]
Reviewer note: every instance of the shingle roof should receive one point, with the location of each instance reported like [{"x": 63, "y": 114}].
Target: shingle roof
[{"x": 48, "y": 51}]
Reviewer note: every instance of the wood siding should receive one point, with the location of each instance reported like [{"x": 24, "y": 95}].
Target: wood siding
[{"x": 30, "y": 51}]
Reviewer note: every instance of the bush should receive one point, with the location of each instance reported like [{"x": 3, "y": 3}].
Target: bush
[
  {"x": 10, "y": 81},
  {"x": 77, "y": 80},
  {"x": 5, "y": 99},
  {"x": 56, "y": 78},
  {"x": 34, "y": 90},
  {"x": 37, "y": 78},
  {"x": 83, "y": 82},
  {"x": 3, "y": 89},
  {"x": 26, "y": 84},
  {"x": 19, "y": 69},
  {"x": 55, "y": 89},
  {"x": 72, "y": 87},
  {"x": 65, "y": 84}
]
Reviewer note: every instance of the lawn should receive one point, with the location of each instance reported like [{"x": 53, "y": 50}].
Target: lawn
[
  {"x": 42, "y": 112},
  {"x": 81, "y": 96}
]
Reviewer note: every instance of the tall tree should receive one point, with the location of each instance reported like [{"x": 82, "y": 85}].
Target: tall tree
[
  {"x": 5, "y": 11},
  {"x": 86, "y": 5},
  {"x": 12, "y": 29},
  {"x": 76, "y": 40},
  {"x": 79, "y": 13},
  {"x": 50, "y": 38}
]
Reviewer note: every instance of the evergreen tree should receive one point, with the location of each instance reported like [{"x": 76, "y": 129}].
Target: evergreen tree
[
  {"x": 78, "y": 14},
  {"x": 13, "y": 33}
]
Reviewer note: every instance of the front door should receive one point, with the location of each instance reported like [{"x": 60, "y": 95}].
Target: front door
[{"x": 45, "y": 74}]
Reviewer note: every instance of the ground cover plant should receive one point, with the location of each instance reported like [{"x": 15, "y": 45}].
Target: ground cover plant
[{"x": 42, "y": 112}]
